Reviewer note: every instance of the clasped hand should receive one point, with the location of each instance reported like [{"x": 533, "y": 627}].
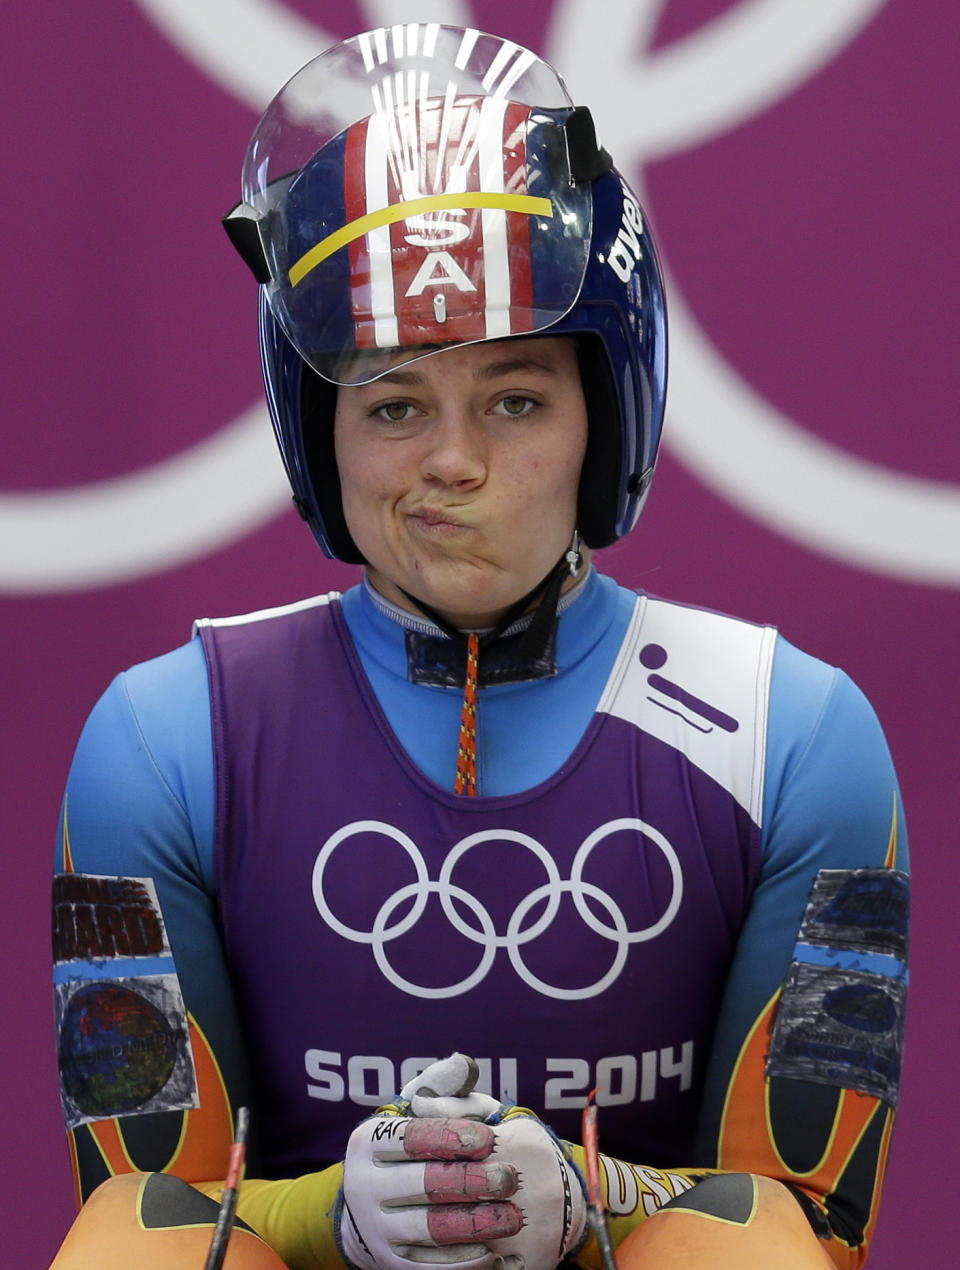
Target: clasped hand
[{"x": 460, "y": 1181}]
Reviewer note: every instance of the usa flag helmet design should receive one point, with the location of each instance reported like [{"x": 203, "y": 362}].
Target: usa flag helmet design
[{"x": 423, "y": 186}]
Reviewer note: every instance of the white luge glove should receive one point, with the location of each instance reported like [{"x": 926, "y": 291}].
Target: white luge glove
[
  {"x": 464, "y": 1181},
  {"x": 423, "y": 1191},
  {"x": 550, "y": 1193}
]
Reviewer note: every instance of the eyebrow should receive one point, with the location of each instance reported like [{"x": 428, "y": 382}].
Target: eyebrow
[{"x": 509, "y": 366}]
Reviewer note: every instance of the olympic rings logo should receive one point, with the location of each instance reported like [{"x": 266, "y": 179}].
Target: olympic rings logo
[{"x": 482, "y": 931}]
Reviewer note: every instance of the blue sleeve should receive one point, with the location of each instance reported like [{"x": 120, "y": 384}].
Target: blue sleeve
[
  {"x": 833, "y": 827},
  {"x": 139, "y": 804},
  {"x": 831, "y": 801}
]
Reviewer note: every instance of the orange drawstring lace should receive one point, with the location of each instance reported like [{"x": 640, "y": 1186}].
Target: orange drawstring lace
[{"x": 466, "y": 780}]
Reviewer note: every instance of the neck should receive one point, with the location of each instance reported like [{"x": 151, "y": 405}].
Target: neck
[
  {"x": 477, "y": 620},
  {"x": 411, "y": 616}
]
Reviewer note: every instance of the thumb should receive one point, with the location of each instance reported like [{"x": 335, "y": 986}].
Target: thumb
[{"x": 446, "y": 1088}]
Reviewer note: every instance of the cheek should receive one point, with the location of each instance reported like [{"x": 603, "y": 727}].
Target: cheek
[
  {"x": 566, "y": 461},
  {"x": 557, "y": 480},
  {"x": 370, "y": 492},
  {"x": 364, "y": 477},
  {"x": 360, "y": 465}
]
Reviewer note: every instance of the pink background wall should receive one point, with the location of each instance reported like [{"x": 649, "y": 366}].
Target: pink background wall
[{"x": 799, "y": 163}]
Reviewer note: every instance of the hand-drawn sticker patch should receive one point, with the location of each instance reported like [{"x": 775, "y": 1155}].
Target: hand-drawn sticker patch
[
  {"x": 96, "y": 917},
  {"x": 862, "y": 909},
  {"x": 841, "y": 1015},
  {"x": 123, "y": 1047},
  {"x": 842, "y": 1028}
]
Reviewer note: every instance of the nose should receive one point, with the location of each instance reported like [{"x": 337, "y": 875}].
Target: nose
[{"x": 455, "y": 454}]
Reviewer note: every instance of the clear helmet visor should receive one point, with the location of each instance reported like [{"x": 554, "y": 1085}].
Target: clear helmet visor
[{"x": 412, "y": 191}]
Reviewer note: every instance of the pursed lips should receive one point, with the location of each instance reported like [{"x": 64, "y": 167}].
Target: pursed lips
[{"x": 434, "y": 519}]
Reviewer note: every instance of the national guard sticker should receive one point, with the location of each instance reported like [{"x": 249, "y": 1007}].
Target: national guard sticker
[{"x": 123, "y": 1038}]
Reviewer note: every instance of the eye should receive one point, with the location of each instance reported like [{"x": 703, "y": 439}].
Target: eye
[
  {"x": 394, "y": 411},
  {"x": 515, "y": 404}
]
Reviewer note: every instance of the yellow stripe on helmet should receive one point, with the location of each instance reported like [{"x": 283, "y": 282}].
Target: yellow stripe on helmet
[{"x": 526, "y": 203}]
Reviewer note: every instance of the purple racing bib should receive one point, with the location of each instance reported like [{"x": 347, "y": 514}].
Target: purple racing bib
[{"x": 571, "y": 937}]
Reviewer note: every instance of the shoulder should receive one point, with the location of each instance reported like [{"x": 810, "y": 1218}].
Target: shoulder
[
  {"x": 142, "y": 769},
  {"x": 829, "y": 772},
  {"x": 158, "y": 689},
  {"x": 817, "y": 708},
  {"x": 156, "y": 713},
  {"x": 146, "y": 699}
]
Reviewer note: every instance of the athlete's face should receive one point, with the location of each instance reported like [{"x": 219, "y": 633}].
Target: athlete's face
[{"x": 460, "y": 472}]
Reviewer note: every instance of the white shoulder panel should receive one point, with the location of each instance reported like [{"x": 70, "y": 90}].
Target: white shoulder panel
[{"x": 700, "y": 682}]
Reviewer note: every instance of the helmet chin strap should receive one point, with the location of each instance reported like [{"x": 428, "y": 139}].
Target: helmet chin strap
[{"x": 537, "y": 635}]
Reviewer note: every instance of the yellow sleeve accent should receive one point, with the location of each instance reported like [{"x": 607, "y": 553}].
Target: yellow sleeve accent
[{"x": 294, "y": 1216}]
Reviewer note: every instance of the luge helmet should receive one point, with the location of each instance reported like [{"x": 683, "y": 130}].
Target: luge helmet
[{"x": 424, "y": 186}]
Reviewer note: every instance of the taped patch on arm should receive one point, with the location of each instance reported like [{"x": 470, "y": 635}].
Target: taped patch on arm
[
  {"x": 841, "y": 1016},
  {"x": 123, "y": 1036}
]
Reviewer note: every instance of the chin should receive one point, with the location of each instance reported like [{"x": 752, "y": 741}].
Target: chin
[{"x": 465, "y": 604}]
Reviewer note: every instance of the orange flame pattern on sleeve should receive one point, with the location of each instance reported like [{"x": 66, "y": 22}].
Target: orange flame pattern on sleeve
[{"x": 205, "y": 1137}]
